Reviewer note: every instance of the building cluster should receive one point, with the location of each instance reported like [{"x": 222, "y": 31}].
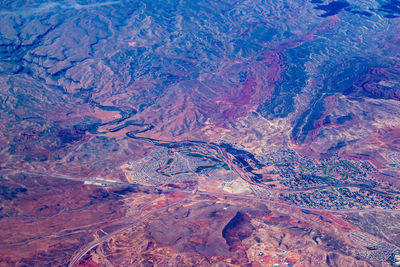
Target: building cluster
[
  {"x": 176, "y": 166},
  {"x": 297, "y": 172},
  {"x": 331, "y": 183},
  {"x": 387, "y": 253},
  {"x": 341, "y": 198}
]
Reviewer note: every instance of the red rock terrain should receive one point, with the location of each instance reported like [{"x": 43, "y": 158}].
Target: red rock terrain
[{"x": 199, "y": 133}]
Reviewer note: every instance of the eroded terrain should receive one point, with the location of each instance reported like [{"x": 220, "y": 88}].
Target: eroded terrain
[{"x": 199, "y": 133}]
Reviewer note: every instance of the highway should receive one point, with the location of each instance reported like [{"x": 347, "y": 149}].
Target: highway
[
  {"x": 200, "y": 192},
  {"x": 129, "y": 224},
  {"x": 93, "y": 244}
]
